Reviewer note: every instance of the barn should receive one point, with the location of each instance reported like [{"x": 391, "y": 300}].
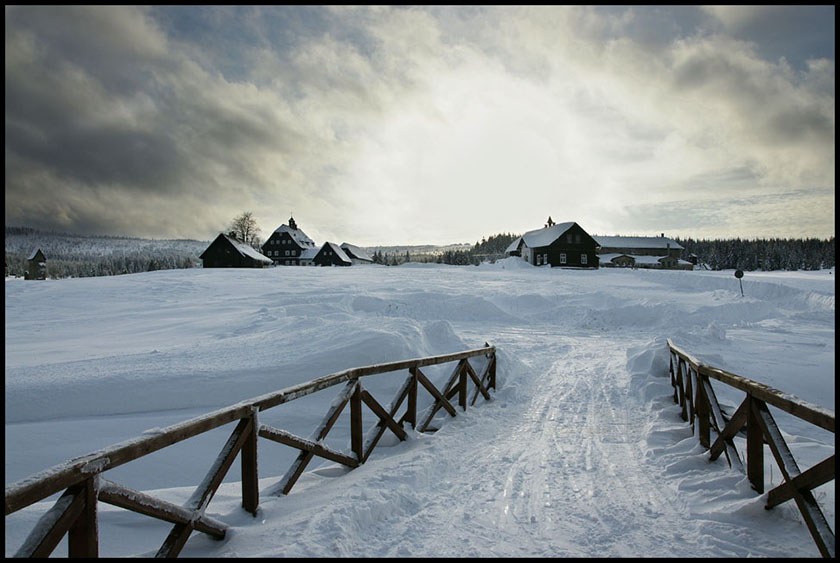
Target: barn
[
  {"x": 557, "y": 244},
  {"x": 641, "y": 252},
  {"x": 229, "y": 252},
  {"x": 36, "y": 266},
  {"x": 289, "y": 246},
  {"x": 356, "y": 254},
  {"x": 331, "y": 255}
]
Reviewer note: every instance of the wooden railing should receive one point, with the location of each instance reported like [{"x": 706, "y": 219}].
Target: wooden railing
[
  {"x": 694, "y": 393},
  {"x": 75, "y": 514}
]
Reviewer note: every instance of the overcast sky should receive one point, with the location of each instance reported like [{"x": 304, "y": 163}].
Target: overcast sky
[{"x": 421, "y": 125}]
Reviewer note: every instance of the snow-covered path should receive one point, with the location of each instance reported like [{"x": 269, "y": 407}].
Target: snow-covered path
[
  {"x": 581, "y": 451},
  {"x": 562, "y": 466}
]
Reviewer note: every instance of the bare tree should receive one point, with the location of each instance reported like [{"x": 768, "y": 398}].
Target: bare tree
[{"x": 246, "y": 229}]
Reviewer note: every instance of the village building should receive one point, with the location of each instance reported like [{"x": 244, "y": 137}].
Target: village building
[
  {"x": 331, "y": 254},
  {"x": 641, "y": 252},
  {"x": 356, "y": 254},
  {"x": 289, "y": 246},
  {"x": 227, "y": 251},
  {"x": 36, "y": 266},
  {"x": 557, "y": 244}
]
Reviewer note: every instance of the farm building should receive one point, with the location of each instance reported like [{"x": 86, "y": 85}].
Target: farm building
[
  {"x": 331, "y": 255},
  {"x": 641, "y": 252},
  {"x": 229, "y": 252},
  {"x": 557, "y": 244},
  {"x": 36, "y": 266},
  {"x": 289, "y": 246},
  {"x": 356, "y": 254}
]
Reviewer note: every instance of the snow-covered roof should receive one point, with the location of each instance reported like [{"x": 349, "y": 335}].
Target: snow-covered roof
[
  {"x": 514, "y": 246},
  {"x": 338, "y": 252},
  {"x": 545, "y": 236},
  {"x": 636, "y": 242},
  {"x": 610, "y": 256},
  {"x": 308, "y": 253},
  {"x": 648, "y": 259},
  {"x": 246, "y": 250},
  {"x": 297, "y": 235},
  {"x": 35, "y": 254},
  {"x": 354, "y": 251}
]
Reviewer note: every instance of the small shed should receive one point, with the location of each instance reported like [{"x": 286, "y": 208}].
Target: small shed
[{"x": 36, "y": 266}]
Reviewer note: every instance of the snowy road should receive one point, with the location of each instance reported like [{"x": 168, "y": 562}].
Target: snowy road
[
  {"x": 581, "y": 451},
  {"x": 564, "y": 465}
]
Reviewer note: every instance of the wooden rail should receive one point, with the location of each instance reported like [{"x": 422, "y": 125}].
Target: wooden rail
[
  {"x": 82, "y": 483},
  {"x": 693, "y": 391}
]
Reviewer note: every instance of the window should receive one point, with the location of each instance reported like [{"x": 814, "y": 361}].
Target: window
[
  {"x": 583, "y": 258},
  {"x": 563, "y": 258},
  {"x": 287, "y": 253},
  {"x": 539, "y": 259}
]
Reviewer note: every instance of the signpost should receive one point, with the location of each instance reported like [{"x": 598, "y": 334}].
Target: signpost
[{"x": 739, "y": 274}]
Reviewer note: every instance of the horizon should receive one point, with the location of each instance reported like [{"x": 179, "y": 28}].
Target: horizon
[{"x": 423, "y": 124}]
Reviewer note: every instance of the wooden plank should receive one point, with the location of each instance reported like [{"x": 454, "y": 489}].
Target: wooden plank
[
  {"x": 384, "y": 416},
  {"x": 441, "y": 400},
  {"x": 755, "y": 447},
  {"x": 249, "y": 467},
  {"x": 284, "y": 486},
  {"x": 411, "y": 410},
  {"x": 147, "y": 505},
  {"x": 681, "y": 387},
  {"x": 492, "y": 383},
  {"x": 462, "y": 386},
  {"x": 479, "y": 383},
  {"x": 59, "y": 477},
  {"x": 203, "y": 494},
  {"x": 289, "y": 439},
  {"x": 175, "y": 541},
  {"x": 392, "y": 410},
  {"x": 356, "y": 428},
  {"x": 821, "y": 473},
  {"x": 703, "y": 412},
  {"x": 724, "y": 439},
  {"x": 52, "y": 526},
  {"x": 805, "y": 501},
  {"x": 791, "y": 404},
  {"x": 83, "y": 535}
]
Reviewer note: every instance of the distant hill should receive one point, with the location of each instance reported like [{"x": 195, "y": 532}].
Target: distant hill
[{"x": 74, "y": 255}]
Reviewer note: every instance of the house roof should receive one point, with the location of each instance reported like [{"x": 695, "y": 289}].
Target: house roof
[
  {"x": 308, "y": 253},
  {"x": 354, "y": 251},
  {"x": 338, "y": 251},
  {"x": 636, "y": 242},
  {"x": 243, "y": 249},
  {"x": 610, "y": 256},
  {"x": 514, "y": 246},
  {"x": 35, "y": 255},
  {"x": 545, "y": 236},
  {"x": 297, "y": 235}
]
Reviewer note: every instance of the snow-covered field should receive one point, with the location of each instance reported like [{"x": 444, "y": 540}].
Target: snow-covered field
[{"x": 581, "y": 452}]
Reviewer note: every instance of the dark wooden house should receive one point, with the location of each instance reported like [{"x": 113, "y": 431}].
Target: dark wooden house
[
  {"x": 36, "y": 266},
  {"x": 227, "y": 251},
  {"x": 331, "y": 255},
  {"x": 558, "y": 244},
  {"x": 289, "y": 246}
]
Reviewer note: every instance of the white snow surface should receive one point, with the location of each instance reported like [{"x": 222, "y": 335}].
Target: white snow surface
[{"x": 580, "y": 452}]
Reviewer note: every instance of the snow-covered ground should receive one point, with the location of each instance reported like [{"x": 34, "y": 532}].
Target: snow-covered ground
[{"x": 581, "y": 451}]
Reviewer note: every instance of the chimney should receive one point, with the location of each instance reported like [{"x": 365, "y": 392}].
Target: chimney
[
  {"x": 662, "y": 235},
  {"x": 232, "y": 235}
]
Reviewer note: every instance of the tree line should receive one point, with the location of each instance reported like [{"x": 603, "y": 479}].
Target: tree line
[{"x": 761, "y": 254}]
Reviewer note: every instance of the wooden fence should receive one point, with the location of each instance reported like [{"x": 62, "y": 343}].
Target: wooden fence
[
  {"x": 75, "y": 514},
  {"x": 694, "y": 393}
]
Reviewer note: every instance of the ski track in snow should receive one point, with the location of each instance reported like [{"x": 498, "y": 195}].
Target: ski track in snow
[{"x": 580, "y": 453}]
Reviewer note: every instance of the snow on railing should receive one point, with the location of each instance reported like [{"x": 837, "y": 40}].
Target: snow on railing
[
  {"x": 693, "y": 391},
  {"x": 75, "y": 515}
]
